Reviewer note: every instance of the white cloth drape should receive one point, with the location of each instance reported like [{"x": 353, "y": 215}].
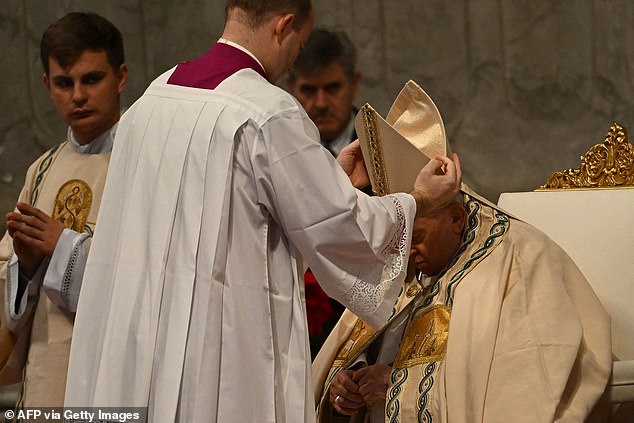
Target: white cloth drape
[{"x": 192, "y": 302}]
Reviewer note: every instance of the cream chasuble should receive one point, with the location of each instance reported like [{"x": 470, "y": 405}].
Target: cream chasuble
[{"x": 511, "y": 331}]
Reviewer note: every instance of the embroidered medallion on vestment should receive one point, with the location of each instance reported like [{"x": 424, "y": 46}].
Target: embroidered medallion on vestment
[{"x": 72, "y": 204}]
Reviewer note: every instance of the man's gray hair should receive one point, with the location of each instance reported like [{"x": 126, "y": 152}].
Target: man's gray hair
[{"x": 323, "y": 48}]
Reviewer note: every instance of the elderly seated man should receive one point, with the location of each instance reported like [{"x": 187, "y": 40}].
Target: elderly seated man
[{"x": 499, "y": 326}]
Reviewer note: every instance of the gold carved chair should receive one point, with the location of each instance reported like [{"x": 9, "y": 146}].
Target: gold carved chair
[{"x": 589, "y": 211}]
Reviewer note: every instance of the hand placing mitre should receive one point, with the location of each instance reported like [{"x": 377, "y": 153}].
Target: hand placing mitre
[
  {"x": 437, "y": 183},
  {"x": 351, "y": 160},
  {"x": 35, "y": 235}
]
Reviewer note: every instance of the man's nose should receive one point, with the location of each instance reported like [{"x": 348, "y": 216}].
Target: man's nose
[
  {"x": 79, "y": 93},
  {"x": 321, "y": 99}
]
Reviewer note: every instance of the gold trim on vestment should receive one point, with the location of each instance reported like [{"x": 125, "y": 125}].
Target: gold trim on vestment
[
  {"x": 426, "y": 337},
  {"x": 412, "y": 290},
  {"x": 72, "y": 204},
  {"x": 39, "y": 177},
  {"x": 381, "y": 185},
  {"x": 358, "y": 338}
]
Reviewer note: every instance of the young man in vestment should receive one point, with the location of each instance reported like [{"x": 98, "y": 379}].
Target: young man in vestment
[
  {"x": 206, "y": 320},
  {"x": 44, "y": 252},
  {"x": 499, "y": 326},
  {"x": 325, "y": 80}
]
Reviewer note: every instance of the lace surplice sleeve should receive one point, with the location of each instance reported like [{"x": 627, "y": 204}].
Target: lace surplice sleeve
[{"x": 366, "y": 295}]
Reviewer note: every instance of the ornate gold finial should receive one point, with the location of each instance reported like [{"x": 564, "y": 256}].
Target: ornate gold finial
[{"x": 606, "y": 165}]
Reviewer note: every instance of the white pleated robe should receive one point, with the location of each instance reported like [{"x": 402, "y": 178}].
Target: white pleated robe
[{"x": 192, "y": 303}]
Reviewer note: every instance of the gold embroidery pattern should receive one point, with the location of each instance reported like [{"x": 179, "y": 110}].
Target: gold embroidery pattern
[
  {"x": 424, "y": 344},
  {"x": 425, "y": 338},
  {"x": 412, "y": 290},
  {"x": 359, "y": 336},
  {"x": 377, "y": 166},
  {"x": 42, "y": 171},
  {"x": 606, "y": 165},
  {"x": 72, "y": 204}
]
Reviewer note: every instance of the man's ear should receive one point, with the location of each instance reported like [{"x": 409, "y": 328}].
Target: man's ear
[
  {"x": 458, "y": 216},
  {"x": 283, "y": 26},
  {"x": 122, "y": 75},
  {"x": 46, "y": 81}
]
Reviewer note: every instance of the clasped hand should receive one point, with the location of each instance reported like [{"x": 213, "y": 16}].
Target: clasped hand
[
  {"x": 351, "y": 390},
  {"x": 35, "y": 235}
]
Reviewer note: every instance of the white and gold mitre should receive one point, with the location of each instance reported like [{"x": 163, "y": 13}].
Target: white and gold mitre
[{"x": 396, "y": 148}]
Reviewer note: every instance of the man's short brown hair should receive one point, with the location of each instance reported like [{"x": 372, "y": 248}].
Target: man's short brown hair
[
  {"x": 67, "y": 38},
  {"x": 260, "y": 11}
]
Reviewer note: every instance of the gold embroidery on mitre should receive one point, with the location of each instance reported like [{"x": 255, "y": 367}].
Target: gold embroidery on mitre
[
  {"x": 425, "y": 337},
  {"x": 381, "y": 185},
  {"x": 359, "y": 336},
  {"x": 72, "y": 204},
  {"x": 606, "y": 165}
]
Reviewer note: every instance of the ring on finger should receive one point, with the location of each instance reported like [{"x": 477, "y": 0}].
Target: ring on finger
[{"x": 338, "y": 399}]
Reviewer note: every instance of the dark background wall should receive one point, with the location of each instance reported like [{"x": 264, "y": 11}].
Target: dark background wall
[{"x": 525, "y": 87}]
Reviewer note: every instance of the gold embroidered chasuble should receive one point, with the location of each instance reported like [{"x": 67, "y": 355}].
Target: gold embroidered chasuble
[
  {"x": 510, "y": 332},
  {"x": 421, "y": 352},
  {"x": 67, "y": 185}
]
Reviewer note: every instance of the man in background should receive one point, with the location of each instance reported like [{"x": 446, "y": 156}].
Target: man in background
[
  {"x": 326, "y": 82},
  {"x": 43, "y": 253}
]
